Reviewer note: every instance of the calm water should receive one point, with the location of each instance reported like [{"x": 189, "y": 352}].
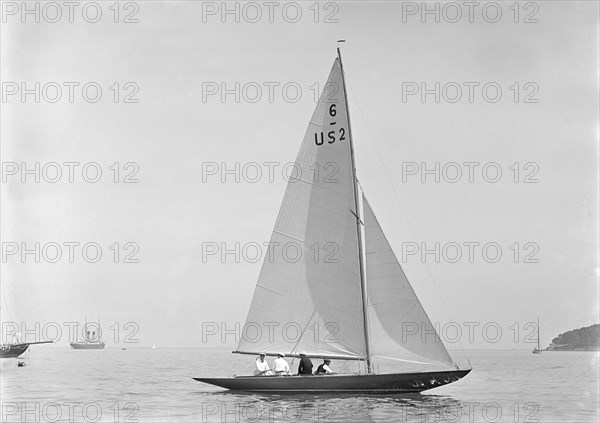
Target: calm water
[{"x": 156, "y": 386}]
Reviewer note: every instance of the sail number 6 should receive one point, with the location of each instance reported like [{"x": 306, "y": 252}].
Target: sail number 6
[{"x": 331, "y": 135}]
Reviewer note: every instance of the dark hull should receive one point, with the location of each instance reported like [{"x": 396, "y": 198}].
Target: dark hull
[
  {"x": 11, "y": 351},
  {"x": 86, "y": 346},
  {"x": 383, "y": 383}
]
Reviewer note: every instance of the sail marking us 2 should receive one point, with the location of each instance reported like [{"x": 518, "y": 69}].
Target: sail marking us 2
[{"x": 331, "y": 135}]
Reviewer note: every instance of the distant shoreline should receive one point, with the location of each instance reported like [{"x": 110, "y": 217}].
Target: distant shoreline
[{"x": 582, "y": 339}]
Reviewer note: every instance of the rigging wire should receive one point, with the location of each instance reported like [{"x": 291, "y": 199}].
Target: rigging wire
[
  {"x": 36, "y": 299},
  {"x": 10, "y": 319},
  {"x": 29, "y": 283}
]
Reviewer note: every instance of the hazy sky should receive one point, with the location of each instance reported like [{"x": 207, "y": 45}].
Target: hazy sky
[{"x": 179, "y": 53}]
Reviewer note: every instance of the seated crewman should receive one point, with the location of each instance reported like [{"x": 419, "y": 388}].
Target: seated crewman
[
  {"x": 280, "y": 365},
  {"x": 262, "y": 367},
  {"x": 305, "y": 366},
  {"x": 324, "y": 369}
]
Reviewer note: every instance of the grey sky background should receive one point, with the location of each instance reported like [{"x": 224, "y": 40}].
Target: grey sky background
[{"x": 170, "y": 53}]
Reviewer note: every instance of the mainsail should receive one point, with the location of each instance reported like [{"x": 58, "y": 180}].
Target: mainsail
[
  {"x": 399, "y": 326},
  {"x": 308, "y": 294}
]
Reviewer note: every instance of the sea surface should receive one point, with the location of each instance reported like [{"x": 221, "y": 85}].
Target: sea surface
[{"x": 145, "y": 385}]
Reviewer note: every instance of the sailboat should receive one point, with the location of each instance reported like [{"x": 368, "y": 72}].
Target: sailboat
[
  {"x": 538, "y": 350},
  {"x": 93, "y": 339},
  {"x": 12, "y": 350},
  {"x": 17, "y": 347},
  {"x": 355, "y": 304}
]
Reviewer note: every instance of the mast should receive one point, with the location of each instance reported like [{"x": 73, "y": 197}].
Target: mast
[
  {"x": 538, "y": 333},
  {"x": 363, "y": 287}
]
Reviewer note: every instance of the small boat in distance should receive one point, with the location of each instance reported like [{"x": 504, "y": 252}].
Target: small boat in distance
[
  {"x": 538, "y": 350},
  {"x": 355, "y": 301},
  {"x": 154, "y": 346},
  {"x": 93, "y": 339}
]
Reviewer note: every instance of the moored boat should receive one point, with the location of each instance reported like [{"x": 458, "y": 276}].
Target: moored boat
[
  {"x": 17, "y": 349},
  {"x": 88, "y": 345},
  {"x": 538, "y": 350},
  {"x": 93, "y": 339}
]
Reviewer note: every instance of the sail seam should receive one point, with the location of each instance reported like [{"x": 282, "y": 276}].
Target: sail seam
[
  {"x": 289, "y": 236},
  {"x": 312, "y": 122},
  {"x": 270, "y": 289},
  {"x": 296, "y": 179}
]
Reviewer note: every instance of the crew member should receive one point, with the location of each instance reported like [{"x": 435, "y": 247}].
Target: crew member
[
  {"x": 280, "y": 365},
  {"x": 262, "y": 367},
  {"x": 324, "y": 369},
  {"x": 305, "y": 367}
]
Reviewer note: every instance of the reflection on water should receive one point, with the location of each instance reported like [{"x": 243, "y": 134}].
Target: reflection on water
[
  {"x": 157, "y": 386},
  {"x": 229, "y": 406}
]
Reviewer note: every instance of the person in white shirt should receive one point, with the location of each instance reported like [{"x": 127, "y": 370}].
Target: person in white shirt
[
  {"x": 281, "y": 366},
  {"x": 262, "y": 367}
]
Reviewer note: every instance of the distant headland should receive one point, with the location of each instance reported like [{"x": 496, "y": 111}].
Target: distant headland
[{"x": 584, "y": 339}]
